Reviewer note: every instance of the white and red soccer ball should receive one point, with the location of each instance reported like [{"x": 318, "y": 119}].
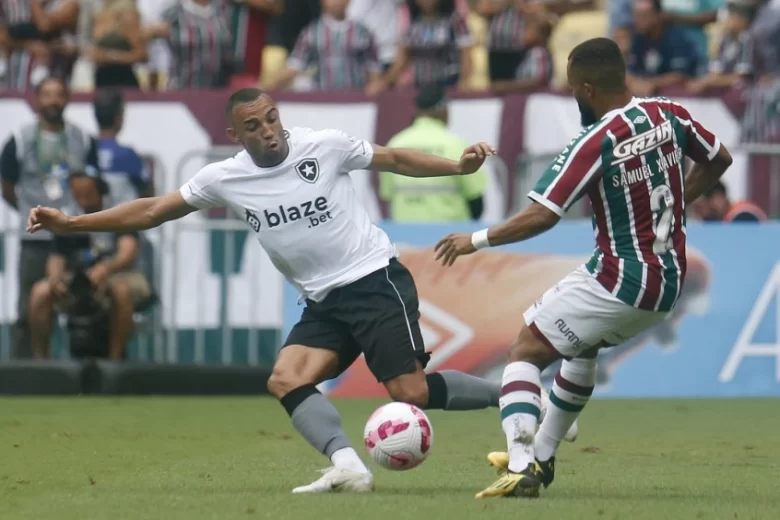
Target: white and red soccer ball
[{"x": 398, "y": 436}]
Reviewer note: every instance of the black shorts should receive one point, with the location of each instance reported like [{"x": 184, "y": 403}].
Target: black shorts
[{"x": 377, "y": 315}]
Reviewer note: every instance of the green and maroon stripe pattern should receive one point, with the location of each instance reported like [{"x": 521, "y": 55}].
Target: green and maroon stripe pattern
[
  {"x": 568, "y": 396},
  {"x": 200, "y": 46},
  {"x": 630, "y": 164},
  {"x": 518, "y": 397}
]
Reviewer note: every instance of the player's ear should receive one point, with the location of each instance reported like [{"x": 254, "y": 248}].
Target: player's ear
[{"x": 232, "y": 134}]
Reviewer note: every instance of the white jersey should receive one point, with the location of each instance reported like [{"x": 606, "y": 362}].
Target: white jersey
[{"x": 304, "y": 211}]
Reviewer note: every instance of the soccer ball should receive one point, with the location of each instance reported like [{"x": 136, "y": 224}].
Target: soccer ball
[{"x": 398, "y": 436}]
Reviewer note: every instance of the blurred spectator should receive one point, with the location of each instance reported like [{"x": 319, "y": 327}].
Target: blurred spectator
[
  {"x": 381, "y": 18},
  {"x": 200, "y": 41},
  {"x": 535, "y": 71},
  {"x": 40, "y": 40},
  {"x": 117, "y": 44},
  {"x": 766, "y": 39},
  {"x": 761, "y": 120},
  {"x": 733, "y": 64},
  {"x": 122, "y": 168},
  {"x": 715, "y": 205},
  {"x": 158, "y": 51},
  {"x": 661, "y": 54},
  {"x": 435, "y": 199},
  {"x": 34, "y": 166},
  {"x": 620, "y": 16},
  {"x": 249, "y": 26},
  {"x": 437, "y": 45},
  {"x": 506, "y": 39},
  {"x": 293, "y": 20},
  {"x": 692, "y": 17},
  {"x": 342, "y": 51},
  {"x": 108, "y": 261}
]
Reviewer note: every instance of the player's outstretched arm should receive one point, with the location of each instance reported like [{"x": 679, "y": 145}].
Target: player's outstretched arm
[
  {"x": 703, "y": 176},
  {"x": 137, "y": 215},
  {"x": 532, "y": 221},
  {"x": 414, "y": 163}
]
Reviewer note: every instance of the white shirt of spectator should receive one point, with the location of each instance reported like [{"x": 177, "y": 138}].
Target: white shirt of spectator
[
  {"x": 151, "y": 12},
  {"x": 381, "y": 18},
  {"x": 304, "y": 211}
]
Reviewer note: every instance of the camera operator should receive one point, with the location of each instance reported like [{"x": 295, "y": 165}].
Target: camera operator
[{"x": 109, "y": 262}]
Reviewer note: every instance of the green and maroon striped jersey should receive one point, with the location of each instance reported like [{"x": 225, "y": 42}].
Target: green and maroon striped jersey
[{"x": 630, "y": 165}]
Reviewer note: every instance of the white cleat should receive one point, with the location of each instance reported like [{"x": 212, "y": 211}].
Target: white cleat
[{"x": 339, "y": 480}]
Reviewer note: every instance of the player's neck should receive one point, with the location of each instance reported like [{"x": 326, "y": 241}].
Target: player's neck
[
  {"x": 612, "y": 103},
  {"x": 107, "y": 134}
]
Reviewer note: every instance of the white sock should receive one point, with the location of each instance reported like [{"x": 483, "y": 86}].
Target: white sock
[
  {"x": 520, "y": 405},
  {"x": 348, "y": 458},
  {"x": 570, "y": 393}
]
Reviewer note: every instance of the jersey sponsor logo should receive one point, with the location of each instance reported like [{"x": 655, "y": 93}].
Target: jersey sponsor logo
[
  {"x": 253, "y": 220},
  {"x": 308, "y": 170},
  {"x": 315, "y": 211},
  {"x": 643, "y": 143}
]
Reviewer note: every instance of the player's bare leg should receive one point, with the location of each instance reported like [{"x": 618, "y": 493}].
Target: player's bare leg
[
  {"x": 520, "y": 406},
  {"x": 295, "y": 375},
  {"x": 446, "y": 390}
]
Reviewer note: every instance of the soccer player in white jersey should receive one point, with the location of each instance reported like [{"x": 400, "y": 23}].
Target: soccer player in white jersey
[
  {"x": 294, "y": 190},
  {"x": 629, "y": 161}
]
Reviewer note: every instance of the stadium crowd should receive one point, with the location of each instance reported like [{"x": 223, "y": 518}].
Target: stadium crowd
[{"x": 500, "y": 45}]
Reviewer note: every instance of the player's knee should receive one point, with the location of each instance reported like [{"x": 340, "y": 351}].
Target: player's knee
[
  {"x": 416, "y": 394},
  {"x": 531, "y": 349},
  {"x": 283, "y": 380}
]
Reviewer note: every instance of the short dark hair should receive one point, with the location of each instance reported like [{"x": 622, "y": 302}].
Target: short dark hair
[
  {"x": 39, "y": 87},
  {"x": 598, "y": 61},
  {"x": 239, "y": 97},
  {"x": 108, "y": 105},
  {"x": 657, "y": 6},
  {"x": 430, "y": 97}
]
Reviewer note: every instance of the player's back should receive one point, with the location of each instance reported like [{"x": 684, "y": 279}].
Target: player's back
[
  {"x": 638, "y": 204},
  {"x": 631, "y": 165}
]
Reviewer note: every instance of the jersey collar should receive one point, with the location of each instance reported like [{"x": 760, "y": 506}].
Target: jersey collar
[{"x": 616, "y": 111}]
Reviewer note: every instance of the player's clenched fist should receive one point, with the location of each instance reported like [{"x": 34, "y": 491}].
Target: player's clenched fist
[
  {"x": 452, "y": 246},
  {"x": 474, "y": 156},
  {"x": 49, "y": 219}
]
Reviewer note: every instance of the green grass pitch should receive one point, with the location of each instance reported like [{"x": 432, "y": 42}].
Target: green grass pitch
[{"x": 238, "y": 458}]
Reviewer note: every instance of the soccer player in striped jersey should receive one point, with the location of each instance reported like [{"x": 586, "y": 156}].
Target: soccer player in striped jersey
[{"x": 629, "y": 162}]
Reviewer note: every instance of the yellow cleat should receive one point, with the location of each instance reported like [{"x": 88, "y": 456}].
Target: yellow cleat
[
  {"x": 499, "y": 460},
  {"x": 524, "y": 484}
]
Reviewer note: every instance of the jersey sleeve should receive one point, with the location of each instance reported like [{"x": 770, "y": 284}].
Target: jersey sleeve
[
  {"x": 571, "y": 173},
  {"x": 203, "y": 190},
  {"x": 354, "y": 153},
  {"x": 701, "y": 144}
]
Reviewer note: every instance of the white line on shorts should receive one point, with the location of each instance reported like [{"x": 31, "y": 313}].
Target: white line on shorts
[{"x": 406, "y": 317}]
